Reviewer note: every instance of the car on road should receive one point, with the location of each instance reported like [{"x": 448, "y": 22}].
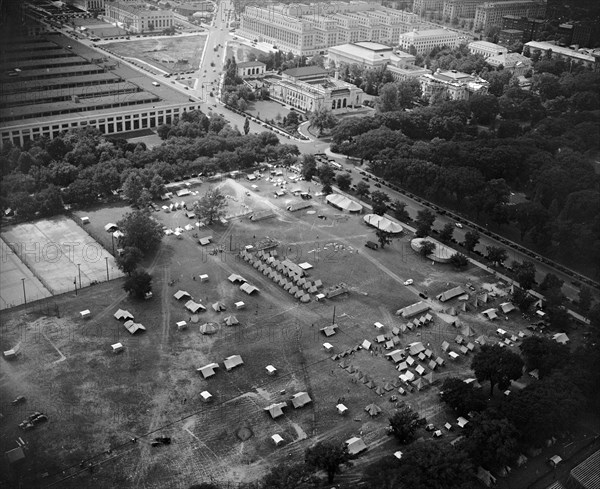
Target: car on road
[
  {"x": 458, "y": 225},
  {"x": 408, "y": 282}
]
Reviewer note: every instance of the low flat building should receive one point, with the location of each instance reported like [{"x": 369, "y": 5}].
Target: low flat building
[
  {"x": 486, "y": 49},
  {"x": 515, "y": 62},
  {"x": 456, "y": 85},
  {"x": 422, "y": 42},
  {"x": 408, "y": 73},
  {"x": 250, "y": 69},
  {"x": 576, "y": 56},
  {"x": 311, "y": 87},
  {"x": 369, "y": 55}
]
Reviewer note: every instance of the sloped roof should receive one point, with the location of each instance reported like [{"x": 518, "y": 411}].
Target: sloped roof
[
  {"x": 180, "y": 294},
  {"x": 123, "y": 314},
  {"x": 355, "y": 445},
  {"x": 134, "y": 327},
  {"x": 343, "y": 203},
  {"x": 382, "y": 223},
  {"x": 233, "y": 361},
  {"x": 450, "y": 294},
  {"x": 276, "y": 410},
  {"x": 249, "y": 289},
  {"x": 300, "y": 399},
  {"x": 373, "y": 409},
  {"x": 587, "y": 473}
]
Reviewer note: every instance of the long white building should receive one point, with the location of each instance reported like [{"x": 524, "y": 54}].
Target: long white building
[
  {"x": 311, "y": 29},
  {"x": 486, "y": 49},
  {"x": 137, "y": 18},
  {"x": 454, "y": 84},
  {"x": 424, "y": 41},
  {"x": 312, "y": 87}
]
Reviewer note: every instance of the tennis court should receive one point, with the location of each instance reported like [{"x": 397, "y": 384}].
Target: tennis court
[{"x": 60, "y": 253}]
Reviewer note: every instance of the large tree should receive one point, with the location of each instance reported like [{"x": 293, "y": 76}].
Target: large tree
[
  {"x": 362, "y": 189},
  {"x": 128, "y": 259},
  {"x": 471, "y": 240},
  {"x": 524, "y": 273},
  {"x": 343, "y": 181},
  {"x": 425, "y": 220},
  {"x": 322, "y": 118},
  {"x": 543, "y": 354},
  {"x": 400, "y": 211},
  {"x": 140, "y": 231},
  {"x": 327, "y": 456},
  {"x": 286, "y": 476},
  {"x": 446, "y": 232},
  {"x": 432, "y": 465},
  {"x": 498, "y": 365},
  {"x": 404, "y": 424},
  {"x": 138, "y": 284},
  {"x": 462, "y": 396},
  {"x": 309, "y": 167},
  {"x": 496, "y": 255},
  {"x": 211, "y": 206},
  {"x": 492, "y": 442},
  {"x": 384, "y": 238},
  {"x": 379, "y": 202}
]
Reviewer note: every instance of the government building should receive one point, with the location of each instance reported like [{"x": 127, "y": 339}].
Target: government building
[
  {"x": 311, "y": 29},
  {"x": 312, "y": 87}
]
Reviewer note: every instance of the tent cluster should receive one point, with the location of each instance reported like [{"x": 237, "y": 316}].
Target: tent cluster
[
  {"x": 286, "y": 274},
  {"x": 230, "y": 363},
  {"x": 127, "y": 318}
]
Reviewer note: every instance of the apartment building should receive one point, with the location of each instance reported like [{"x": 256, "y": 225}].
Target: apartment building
[
  {"x": 460, "y": 9},
  {"x": 136, "y": 18},
  {"x": 88, "y": 5},
  {"x": 422, "y": 42},
  {"x": 312, "y": 29},
  {"x": 531, "y": 28},
  {"x": 490, "y": 14}
]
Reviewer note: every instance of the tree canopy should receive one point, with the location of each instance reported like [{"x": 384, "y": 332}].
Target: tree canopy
[
  {"x": 140, "y": 231},
  {"x": 329, "y": 457},
  {"x": 211, "y": 206},
  {"x": 497, "y": 365}
]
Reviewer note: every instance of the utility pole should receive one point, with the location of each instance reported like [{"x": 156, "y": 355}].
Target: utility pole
[
  {"x": 79, "y": 270},
  {"x": 75, "y": 283},
  {"x": 333, "y": 318},
  {"x": 24, "y": 296},
  {"x": 106, "y": 260}
]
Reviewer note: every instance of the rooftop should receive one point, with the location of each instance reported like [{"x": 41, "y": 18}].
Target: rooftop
[{"x": 306, "y": 71}]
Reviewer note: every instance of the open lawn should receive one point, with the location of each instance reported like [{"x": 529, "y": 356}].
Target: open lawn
[
  {"x": 97, "y": 400},
  {"x": 173, "y": 55}
]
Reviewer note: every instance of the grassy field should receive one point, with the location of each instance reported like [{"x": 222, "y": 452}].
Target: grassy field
[
  {"x": 98, "y": 401},
  {"x": 170, "y": 54}
]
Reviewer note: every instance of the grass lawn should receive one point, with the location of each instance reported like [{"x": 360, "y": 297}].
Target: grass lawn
[
  {"x": 170, "y": 54},
  {"x": 97, "y": 400}
]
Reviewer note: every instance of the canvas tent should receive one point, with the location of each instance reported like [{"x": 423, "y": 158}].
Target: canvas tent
[
  {"x": 561, "y": 338},
  {"x": 355, "y": 445},
  {"x": 507, "y": 307},
  {"x": 208, "y": 370},
  {"x": 300, "y": 399},
  {"x": 122, "y": 314},
  {"x": 234, "y": 277},
  {"x": 208, "y": 328},
  {"x": 343, "y": 203},
  {"x": 413, "y": 310},
  {"x": 194, "y": 307},
  {"x": 218, "y": 306},
  {"x": 230, "y": 320},
  {"x": 382, "y": 223},
  {"x": 329, "y": 330},
  {"x": 110, "y": 227},
  {"x": 416, "y": 348},
  {"x": 233, "y": 361},
  {"x": 133, "y": 327},
  {"x": 395, "y": 356},
  {"x": 450, "y": 294},
  {"x": 249, "y": 289},
  {"x": 490, "y": 314},
  {"x": 180, "y": 294},
  {"x": 276, "y": 410},
  {"x": 373, "y": 409}
]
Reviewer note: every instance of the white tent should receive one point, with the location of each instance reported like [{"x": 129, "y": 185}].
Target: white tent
[
  {"x": 180, "y": 294},
  {"x": 121, "y": 314},
  {"x": 383, "y": 224},
  {"x": 133, "y": 327},
  {"x": 110, "y": 227},
  {"x": 300, "y": 399},
  {"x": 233, "y": 361},
  {"x": 249, "y": 289},
  {"x": 343, "y": 203},
  {"x": 355, "y": 445},
  {"x": 276, "y": 410},
  {"x": 561, "y": 338},
  {"x": 208, "y": 370},
  {"x": 194, "y": 306}
]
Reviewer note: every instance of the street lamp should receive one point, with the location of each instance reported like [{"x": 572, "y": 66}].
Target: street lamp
[
  {"x": 75, "y": 283},
  {"x": 106, "y": 259},
  {"x": 24, "y": 296},
  {"x": 79, "y": 270}
]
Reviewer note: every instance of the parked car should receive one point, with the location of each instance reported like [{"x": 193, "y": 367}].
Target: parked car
[
  {"x": 372, "y": 245},
  {"x": 408, "y": 282},
  {"x": 458, "y": 225}
]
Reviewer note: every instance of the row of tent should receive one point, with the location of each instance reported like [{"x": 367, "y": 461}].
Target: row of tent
[
  {"x": 295, "y": 285},
  {"x": 230, "y": 363},
  {"x": 129, "y": 323},
  {"x": 298, "y": 400}
]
